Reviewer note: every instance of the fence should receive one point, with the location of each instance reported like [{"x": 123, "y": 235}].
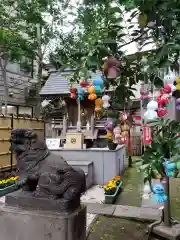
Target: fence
[
  {"x": 7, "y": 123},
  {"x": 136, "y": 145}
]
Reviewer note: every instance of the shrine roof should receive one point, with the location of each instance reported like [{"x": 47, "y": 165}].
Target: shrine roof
[{"x": 59, "y": 82}]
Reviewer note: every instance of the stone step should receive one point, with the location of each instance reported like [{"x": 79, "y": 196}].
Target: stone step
[
  {"x": 87, "y": 167},
  {"x": 84, "y": 165},
  {"x": 138, "y": 213}
]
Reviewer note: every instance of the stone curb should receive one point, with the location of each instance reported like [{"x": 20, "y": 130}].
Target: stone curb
[
  {"x": 90, "y": 225},
  {"x": 129, "y": 212}
]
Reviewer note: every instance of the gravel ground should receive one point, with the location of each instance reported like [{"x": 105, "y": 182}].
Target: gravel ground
[{"x": 106, "y": 228}]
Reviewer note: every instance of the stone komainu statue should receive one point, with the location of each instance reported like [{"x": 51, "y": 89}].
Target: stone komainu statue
[{"x": 45, "y": 174}]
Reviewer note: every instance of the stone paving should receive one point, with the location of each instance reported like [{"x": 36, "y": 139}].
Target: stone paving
[
  {"x": 139, "y": 213},
  {"x": 132, "y": 187}
]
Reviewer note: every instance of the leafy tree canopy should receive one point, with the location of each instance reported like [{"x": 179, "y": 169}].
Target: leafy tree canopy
[{"x": 98, "y": 33}]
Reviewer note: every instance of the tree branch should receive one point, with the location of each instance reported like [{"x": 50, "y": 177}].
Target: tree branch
[{"x": 133, "y": 40}]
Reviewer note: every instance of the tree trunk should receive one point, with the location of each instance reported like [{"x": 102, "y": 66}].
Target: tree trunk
[
  {"x": 39, "y": 72},
  {"x": 3, "y": 65},
  {"x": 38, "y": 87},
  {"x": 167, "y": 209}
]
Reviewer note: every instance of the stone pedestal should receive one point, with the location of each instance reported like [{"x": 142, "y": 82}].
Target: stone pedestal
[
  {"x": 26, "y": 223},
  {"x": 170, "y": 233}
]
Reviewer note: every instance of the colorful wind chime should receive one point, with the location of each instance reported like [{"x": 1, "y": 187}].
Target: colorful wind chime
[
  {"x": 163, "y": 100},
  {"x": 160, "y": 107},
  {"x": 172, "y": 169},
  {"x": 159, "y": 195},
  {"x": 109, "y": 126},
  {"x": 98, "y": 107},
  {"x": 124, "y": 128},
  {"x": 146, "y": 135},
  {"x": 151, "y": 113},
  {"x": 85, "y": 87}
]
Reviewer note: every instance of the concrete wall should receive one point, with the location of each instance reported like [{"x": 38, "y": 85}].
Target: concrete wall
[{"x": 106, "y": 163}]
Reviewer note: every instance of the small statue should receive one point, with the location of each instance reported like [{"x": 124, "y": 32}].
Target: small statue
[
  {"x": 117, "y": 134},
  {"x": 45, "y": 175}
]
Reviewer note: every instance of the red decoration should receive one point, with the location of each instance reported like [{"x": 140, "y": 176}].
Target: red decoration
[
  {"x": 167, "y": 89},
  {"x": 162, "y": 112},
  {"x": 137, "y": 118},
  {"x": 73, "y": 93},
  {"x": 162, "y": 101},
  {"x": 147, "y": 135},
  {"x": 162, "y": 92},
  {"x": 84, "y": 84}
]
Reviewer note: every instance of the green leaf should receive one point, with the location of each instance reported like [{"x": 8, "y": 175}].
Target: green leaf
[
  {"x": 116, "y": 10},
  {"x": 144, "y": 167}
]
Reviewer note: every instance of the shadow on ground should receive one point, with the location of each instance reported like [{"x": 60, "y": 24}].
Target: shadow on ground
[{"x": 106, "y": 228}]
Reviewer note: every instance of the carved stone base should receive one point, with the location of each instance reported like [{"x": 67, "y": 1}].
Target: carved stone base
[
  {"x": 25, "y": 200},
  {"x": 22, "y": 224},
  {"x": 170, "y": 233}
]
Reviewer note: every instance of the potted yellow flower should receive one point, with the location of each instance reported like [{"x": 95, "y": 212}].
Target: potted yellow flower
[
  {"x": 8, "y": 185},
  {"x": 111, "y": 190},
  {"x": 117, "y": 179}
]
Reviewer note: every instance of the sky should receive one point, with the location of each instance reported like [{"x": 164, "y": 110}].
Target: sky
[{"x": 128, "y": 49}]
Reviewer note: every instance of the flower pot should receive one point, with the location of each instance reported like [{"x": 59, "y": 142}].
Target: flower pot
[
  {"x": 112, "y": 145},
  {"x": 110, "y": 199},
  {"x": 13, "y": 187},
  {"x": 119, "y": 187},
  {"x": 9, "y": 189}
]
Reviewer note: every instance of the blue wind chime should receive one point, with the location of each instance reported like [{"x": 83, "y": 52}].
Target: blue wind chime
[
  {"x": 98, "y": 83},
  {"x": 159, "y": 193},
  {"x": 81, "y": 94},
  {"x": 169, "y": 168},
  {"x": 158, "y": 189}
]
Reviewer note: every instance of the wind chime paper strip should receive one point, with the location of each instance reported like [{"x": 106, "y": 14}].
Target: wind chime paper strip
[{"x": 147, "y": 135}]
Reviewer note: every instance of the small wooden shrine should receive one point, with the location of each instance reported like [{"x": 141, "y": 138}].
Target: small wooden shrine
[{"x": 78, "y": 107}]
